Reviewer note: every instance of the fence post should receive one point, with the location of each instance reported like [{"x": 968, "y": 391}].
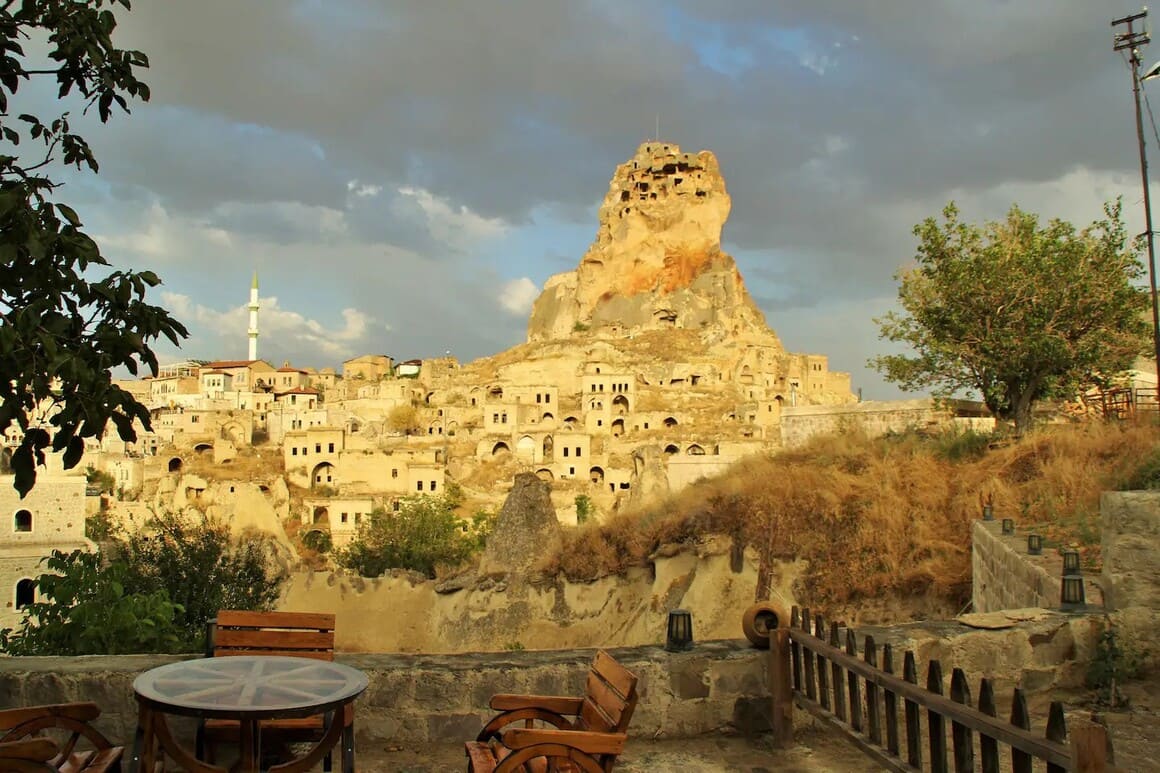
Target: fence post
[
  {"x": 936, "y": 722},
  {"x": 1021, "y": 718},
  {"x": 873, "y": 705},
  {"x": 1089, "y": 747},
  {"x": 780, "y": 687},
  {"x": 961, "y": 736},
  {"x": 852, "y": 683},
  {"x": 913, "y": 729},
  {"x": 890, "y": 698},
  {"x": 836, "y": 669}
]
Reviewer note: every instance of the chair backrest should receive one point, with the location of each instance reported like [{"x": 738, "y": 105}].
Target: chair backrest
[
  {"x": 609, "y": 696},
  {"x": 299, "y": 634}
]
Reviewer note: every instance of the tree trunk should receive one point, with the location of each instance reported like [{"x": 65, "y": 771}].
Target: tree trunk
[{"x": 1021, "y": 411}]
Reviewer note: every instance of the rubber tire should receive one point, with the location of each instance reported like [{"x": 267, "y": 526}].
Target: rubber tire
[{"x": 760, "y": 619}]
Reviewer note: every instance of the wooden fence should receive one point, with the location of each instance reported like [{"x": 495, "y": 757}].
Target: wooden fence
[{"x": 862, "y": 697}]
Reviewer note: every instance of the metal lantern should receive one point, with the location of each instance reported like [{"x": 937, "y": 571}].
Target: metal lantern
[
  {"x": 1070, "y": 562},
  {"x": 1034, "y": 544},
  {"x": 1071, "y": 593},
  {"x": 680, "y": 631},
  {"x": 988, "y": 512},
  {"x": 1008, "y": 526}
]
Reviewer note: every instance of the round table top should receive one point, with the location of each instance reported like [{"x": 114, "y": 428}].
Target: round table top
[{"x": 263, "y": 686}]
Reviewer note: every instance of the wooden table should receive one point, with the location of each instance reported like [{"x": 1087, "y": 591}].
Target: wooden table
[{"x": 248, "y": 688}]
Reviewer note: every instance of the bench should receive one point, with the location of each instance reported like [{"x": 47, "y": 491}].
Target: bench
[
  {"x": 559, "y": 733},
  {"x": 24, "y": 746},
  {"x": 290, "y": 634}
]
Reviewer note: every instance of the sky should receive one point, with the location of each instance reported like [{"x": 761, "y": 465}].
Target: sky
[{"x": 404, "y": 175}]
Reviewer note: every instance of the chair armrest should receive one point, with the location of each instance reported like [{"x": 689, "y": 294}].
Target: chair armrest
[
  {"x": 36, "y": 749},
  {"x": 583, "y": 740},
  {"x": 85, "y": 711},
  {"x": 552, "y": 703}
]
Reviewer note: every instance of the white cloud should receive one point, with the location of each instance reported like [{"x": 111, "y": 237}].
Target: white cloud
[
  {"x": 517, "y": 296},
  {"x": 293, "y": 331},
  {"x": 456, "y": 227},
  {"x": 363, "y": 190}
]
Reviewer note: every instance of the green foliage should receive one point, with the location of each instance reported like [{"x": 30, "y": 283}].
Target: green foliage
[
  {"x": 99, "y": 527},
  {"x": 318, "y": 541},
  {"x": 1145, "y": 475},
  {"x": 104, "y": 481},
  {"x": 962, "y": 445},
  {"x": 203, "y": 569},
  {"x": 1016, "y": 311},
  {"x": 583, "y": 508},
  {"x": 87, "y": 608},
  {"x": 579, "y": 327},
  {"x": 453, "y": 494},
  {"x": 61, "y": 334},
  {"x": 423, "y": 534},
  {"x": 1111, "y": 664}
]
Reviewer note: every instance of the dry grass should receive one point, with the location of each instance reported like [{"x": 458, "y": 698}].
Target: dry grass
[{"x": 879, "y": 517}]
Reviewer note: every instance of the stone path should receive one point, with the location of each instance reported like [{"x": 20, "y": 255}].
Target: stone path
[{"x": 815, "y": 752}]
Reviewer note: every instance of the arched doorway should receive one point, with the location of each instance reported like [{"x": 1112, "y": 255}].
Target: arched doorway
[
  {"x": 695, "y": 450},
  {"x": 620, "y": 404},
  {"x": 671, "y": 449},
  {"x": 549, "y": 448},
  {"x": 203, "y": 448},
  {"x": 500, "y": 448},
  {"x": 670, "y": 422},
  {"x": 545, "y": 474},
  {"x": 526, "y": 447},
  {"x": 175, "y": 464},
  {"x": 618, "y": 428},
  {"x": 596, "y": 475},
  {"x": 323, "y": 475},
  {"x": 22, "y": 521},
  {"x": 321, "y": 516}
]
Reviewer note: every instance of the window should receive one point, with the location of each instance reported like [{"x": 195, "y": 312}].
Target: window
[
  {"x": 395, "y": 473},
  {"x": 294, "y": 451},
  {"x": 194, "y": 419},
  {"x": 331, "y": 447},
  {"x": 548, "y": 397},
  {"x": 577, "y": 452},
  {"x": 432, "y": 485},
  {"x": 318, "y": 448},
  {"x": 538, "y": 397},
  {"x": 571, "y": 470},
  {"x": 503, "y": 418},
  {"x": 600, "y": 422},
  {"x": 304, "y": 450},
  {"x": 343, "y": 517},
  {"x": 22, "y": 521},
  {"x": 419, "y": 485},
  {"x": 565, "y": 450},
  {"x": 395, "y": 505},
  {"x": 495, "y": 418},
  {"x": 25, "y": 593}
]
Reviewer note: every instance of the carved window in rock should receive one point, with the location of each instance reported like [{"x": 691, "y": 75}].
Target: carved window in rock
[{"x": 22, "y": 521}]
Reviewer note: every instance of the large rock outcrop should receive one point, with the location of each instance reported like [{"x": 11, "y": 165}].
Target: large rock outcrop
[
  {"x": 656, "y": 262},
  {"x": 526, "y": 523}
]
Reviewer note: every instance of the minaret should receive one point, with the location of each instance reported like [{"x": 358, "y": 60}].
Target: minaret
[{"x": 253, "y": 307}]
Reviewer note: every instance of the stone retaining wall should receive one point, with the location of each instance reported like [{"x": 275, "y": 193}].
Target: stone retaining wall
[
  {"x": 1002, "y": 575},
  {"x": 443, "y": 698},
  {"x": 1131, "y": 576}
]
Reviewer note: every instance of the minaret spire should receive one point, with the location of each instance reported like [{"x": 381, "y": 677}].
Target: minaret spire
[{"x": 253, "y": 307}]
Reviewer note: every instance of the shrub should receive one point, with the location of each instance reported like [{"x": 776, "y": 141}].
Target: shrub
[
  {"x": 423, "y": 534},
  {"x": 583, "y": 508},
  {"x": 1145, "y": 475},
  {"x": 203, "y": 569},
  {"x": 86, "y": 607}
]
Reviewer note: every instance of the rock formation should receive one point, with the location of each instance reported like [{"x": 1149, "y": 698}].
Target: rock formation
[
  {"x": 656, "y": 262},
  {"x": 525, "y": 525}
]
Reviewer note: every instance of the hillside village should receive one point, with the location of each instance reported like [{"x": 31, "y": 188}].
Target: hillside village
[{"x": 645, "y": 369}]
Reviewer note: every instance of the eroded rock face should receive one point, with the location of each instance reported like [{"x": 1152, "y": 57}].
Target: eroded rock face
[
  {"x": 650, "y": 481},
  {"x": 526, "y": 523},
  {"x": 656, "y": 262}
]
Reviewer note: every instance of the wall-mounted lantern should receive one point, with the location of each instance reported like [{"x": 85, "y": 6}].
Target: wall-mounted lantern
[
  {"x": 680, "y": 631},
  {"x": 1008, "y": 526},
  {"x": 1034, "y": 544},
  {"x": 1070, "y": 562}
]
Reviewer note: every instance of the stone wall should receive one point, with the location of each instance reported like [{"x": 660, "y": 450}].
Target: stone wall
[
  {"x": 800, "y": 423},
  {"x": 1002, "y": 577},
  {"x": 434, "y": 698},
  {"x": 1131, "y": 575}
]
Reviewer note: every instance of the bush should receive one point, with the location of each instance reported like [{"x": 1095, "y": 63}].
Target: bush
[
  {"x": 583, "y": 508},
  {"x": 86, "y": 608},
  {"x": 423, "y": 534},
  {"x": 203, "y": 569},
  {"x": 1145, "y": 475}
]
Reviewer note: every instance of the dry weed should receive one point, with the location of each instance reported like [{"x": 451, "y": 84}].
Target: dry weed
[{"x": 884, "y": 516}]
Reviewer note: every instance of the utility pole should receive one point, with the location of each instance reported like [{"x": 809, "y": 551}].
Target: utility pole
[{"x": 1131, "y": 39}]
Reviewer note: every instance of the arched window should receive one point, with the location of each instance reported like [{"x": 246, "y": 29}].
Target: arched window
[
  {"x": 25, "y": 593},
  {"x": 22, "y": 521}
]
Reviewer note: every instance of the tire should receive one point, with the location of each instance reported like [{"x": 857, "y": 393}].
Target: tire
[{"x": 760, "y": 620}]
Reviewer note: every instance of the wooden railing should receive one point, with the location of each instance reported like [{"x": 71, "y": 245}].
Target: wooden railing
[{"x": 862, "y": 699}]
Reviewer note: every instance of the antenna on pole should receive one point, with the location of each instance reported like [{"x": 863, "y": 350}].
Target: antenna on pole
[{"x": 657, "y": 136}]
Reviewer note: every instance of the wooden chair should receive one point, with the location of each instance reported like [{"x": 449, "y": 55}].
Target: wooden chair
[
  {"x": 26, "y": 746},
  {"x": 559, "y": 733},
  {"x": 293, "y": 634}
]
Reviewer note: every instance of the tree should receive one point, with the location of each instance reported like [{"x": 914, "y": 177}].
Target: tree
[
  {"x": 403, "y": 418},
  {"x": 1017, "y": 311},
  {"x": 423, "y": 534},
  {"x": 202, "y": 568},
  {"x": 61, "y": 334}
]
